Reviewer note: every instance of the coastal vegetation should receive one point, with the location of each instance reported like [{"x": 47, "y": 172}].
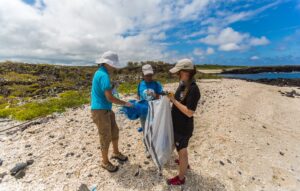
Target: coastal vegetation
[{"x": 29, "y": 91}]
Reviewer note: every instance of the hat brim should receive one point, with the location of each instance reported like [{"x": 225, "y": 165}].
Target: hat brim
[
  {"x": 109, "y": 62},
  {"x": 174, "y": 70},
  {"x": 148, "y": 72}
]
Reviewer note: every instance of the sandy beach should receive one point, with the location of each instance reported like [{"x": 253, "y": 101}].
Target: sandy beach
[{"x": 246, "y": 137}]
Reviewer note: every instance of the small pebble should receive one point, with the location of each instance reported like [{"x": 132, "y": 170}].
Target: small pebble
[
  {"x": 20, "y": 174},
  {"x": 3, "y": 174},
  {"x": 30, "y": 162},
  {"x": 89, "y": 154}
]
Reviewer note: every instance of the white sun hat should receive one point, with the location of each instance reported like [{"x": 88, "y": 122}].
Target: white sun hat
[
  {"x": 183, "y": 64},
  {"x": 110, "y": 58},
  {"x": 147, "y": 69}
]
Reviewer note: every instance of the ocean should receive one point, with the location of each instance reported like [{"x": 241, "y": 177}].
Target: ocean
[{"x": 265, "y": 75}]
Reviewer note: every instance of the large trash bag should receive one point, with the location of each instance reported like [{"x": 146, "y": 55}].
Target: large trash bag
[
  {"x": 158, "y": 133},
  {"x": 139, "y": 109}
]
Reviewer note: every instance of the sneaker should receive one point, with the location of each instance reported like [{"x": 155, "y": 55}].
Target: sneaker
[
  {"x": 176, "y": 181},
  {"x": 177, "y": 162}
]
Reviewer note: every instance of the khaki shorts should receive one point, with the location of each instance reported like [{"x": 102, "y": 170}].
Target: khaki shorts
[{"x": 107, "y": 127}]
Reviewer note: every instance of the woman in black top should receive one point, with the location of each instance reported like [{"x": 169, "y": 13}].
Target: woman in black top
[{"x": 185, "y": 103}]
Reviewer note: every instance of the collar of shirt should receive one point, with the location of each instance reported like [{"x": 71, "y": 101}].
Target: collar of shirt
[{"x": 102, "y": 68}]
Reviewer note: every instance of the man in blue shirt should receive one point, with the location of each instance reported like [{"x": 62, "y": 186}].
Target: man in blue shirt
[{"x": 101, "y": 106}]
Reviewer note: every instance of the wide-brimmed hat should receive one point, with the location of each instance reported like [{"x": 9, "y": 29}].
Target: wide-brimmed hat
[
  {"x": 184, "y": 64},
  {"x": 110, "y": 58}
]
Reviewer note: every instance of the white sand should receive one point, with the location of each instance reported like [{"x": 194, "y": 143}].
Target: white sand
[
  {"x": 211, "y": 71},
  {"x": 243, "y": 124}
]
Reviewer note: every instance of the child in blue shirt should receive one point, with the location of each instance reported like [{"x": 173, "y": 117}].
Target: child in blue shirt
[{"x": 149, "y": 90}]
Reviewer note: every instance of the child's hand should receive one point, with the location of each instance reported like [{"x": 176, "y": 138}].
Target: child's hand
[{"x": 128, "y": 104}]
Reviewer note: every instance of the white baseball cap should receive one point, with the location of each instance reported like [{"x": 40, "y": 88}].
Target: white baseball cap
[
  {"x": 110, "y": 58},
  {"x": 183, "y": 64},
  {"x": 147, "y": 69}
]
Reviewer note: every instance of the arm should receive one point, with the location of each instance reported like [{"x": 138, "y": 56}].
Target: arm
[
  {"x": 182, "y": 107},
  {"x": 113, "y": 99}
]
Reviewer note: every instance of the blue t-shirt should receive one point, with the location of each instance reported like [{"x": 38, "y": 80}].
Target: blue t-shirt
[
  {"x": 101, "y": 83},
  {"x": 146, "y": 90}
]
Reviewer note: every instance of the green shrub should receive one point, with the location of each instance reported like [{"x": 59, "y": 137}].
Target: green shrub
[{"x": 39, "y": 109}]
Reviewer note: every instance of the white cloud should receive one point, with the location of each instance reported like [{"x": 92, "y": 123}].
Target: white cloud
[
  {"x": 160, "y": 36},
  {"x": 254, "y": 58},
  {"x": 193, "y": 9},
  {"x": 227, "y": 35},
  {"x": 210, "y": 50},
  {"x": 74, "y": 31},
  {"x": 229, "y": 47},
  {"x": 198, "y": 52},
  {"x": 259, "y": 41},
  {"x": 229, "y": 40}
]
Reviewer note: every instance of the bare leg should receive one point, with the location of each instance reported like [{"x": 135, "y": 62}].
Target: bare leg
[
  {"x": 116, "y": 146},
  {"x": 183, "y": 162},
  {"x": 105, "y": 156}
]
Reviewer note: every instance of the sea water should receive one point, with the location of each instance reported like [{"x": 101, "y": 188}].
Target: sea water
[{"x": 265, "y": 75}]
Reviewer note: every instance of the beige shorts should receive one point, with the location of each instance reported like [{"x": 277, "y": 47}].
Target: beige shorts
[{"x": 107, "y": 127}]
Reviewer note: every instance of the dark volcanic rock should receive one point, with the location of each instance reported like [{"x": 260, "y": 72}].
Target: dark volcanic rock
[
  {"x": 256, "y": 70},
  {"x": 17, "y": 168},
  {"x": 279, "y": 82},
  {"x": 20, "y": 174},
  {"x": 83, "y": 187}
]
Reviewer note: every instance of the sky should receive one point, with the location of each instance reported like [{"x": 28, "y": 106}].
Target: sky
[{"x": 77, "y": 32}]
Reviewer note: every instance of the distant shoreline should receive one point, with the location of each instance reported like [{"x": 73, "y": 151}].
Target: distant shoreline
[
  {"x": 279, "y": 82},
  {"x": 256, "y": 70}
]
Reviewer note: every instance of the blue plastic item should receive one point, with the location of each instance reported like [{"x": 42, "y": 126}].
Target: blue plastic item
[
  {"x": 140, "y": 129},
  {"x": 139, "y": 109}
]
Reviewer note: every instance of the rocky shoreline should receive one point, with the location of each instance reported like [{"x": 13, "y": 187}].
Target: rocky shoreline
[
  {"x": 279, "y": 82},
  {"x": 282, "y": 82},
  {"x": 256, "y": 70}
]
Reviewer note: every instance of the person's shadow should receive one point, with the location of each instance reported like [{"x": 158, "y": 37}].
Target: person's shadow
[{"x": 132, "y": 176}]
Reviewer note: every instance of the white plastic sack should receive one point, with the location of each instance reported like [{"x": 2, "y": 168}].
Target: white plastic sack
[{"x": 158, "y": 132}]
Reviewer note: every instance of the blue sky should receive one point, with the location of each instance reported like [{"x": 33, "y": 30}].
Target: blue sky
[{"x": 228, "y": 32}]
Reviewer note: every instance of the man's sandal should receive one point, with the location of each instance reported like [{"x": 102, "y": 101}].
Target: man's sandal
[
  {"x": 119, "y": 157},
  {"x": 110, "y": 167}
]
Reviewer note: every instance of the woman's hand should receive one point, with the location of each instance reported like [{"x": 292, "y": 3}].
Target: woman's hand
[{"x": 171, "y": 96}]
